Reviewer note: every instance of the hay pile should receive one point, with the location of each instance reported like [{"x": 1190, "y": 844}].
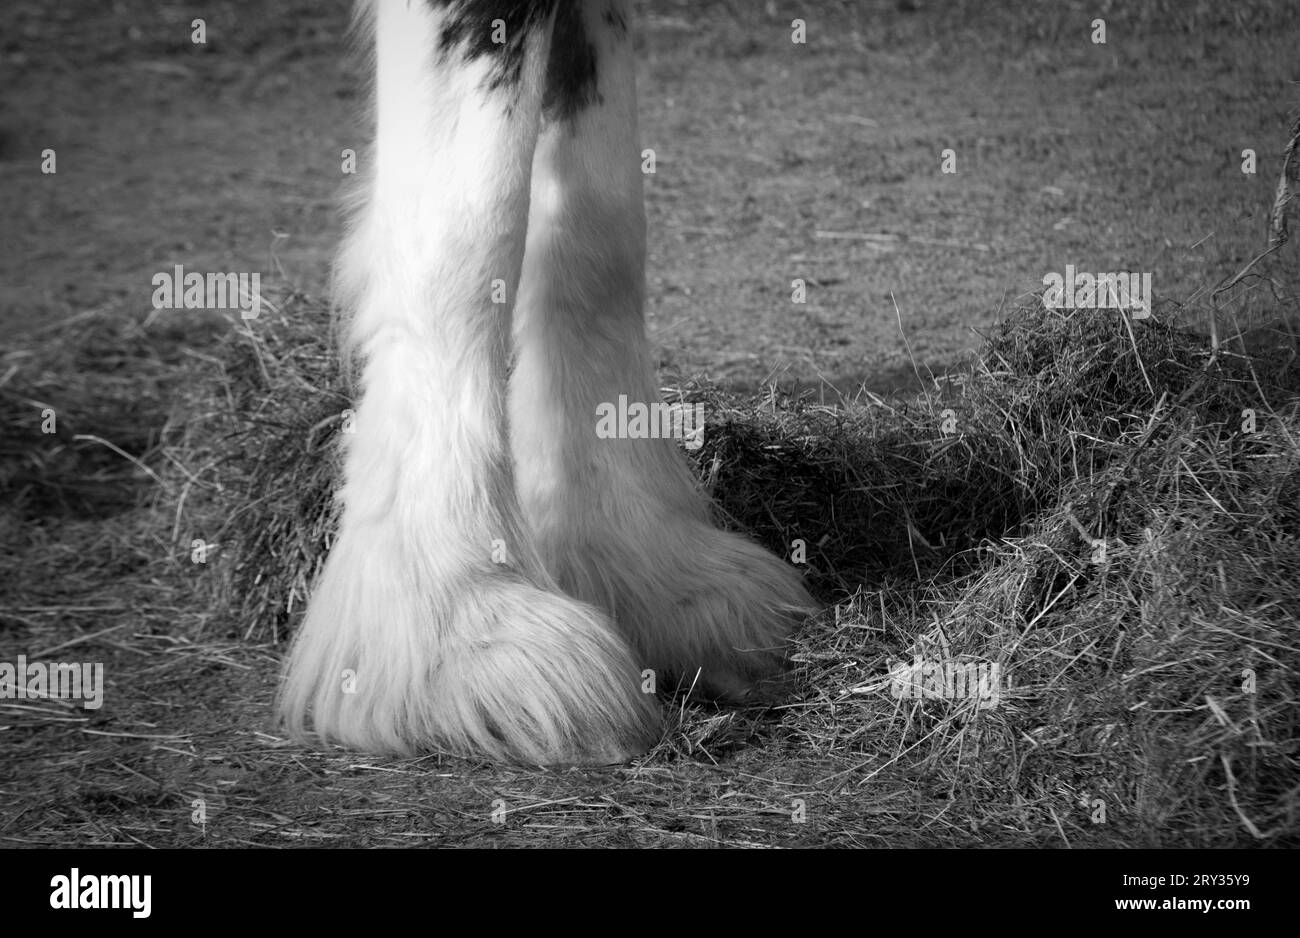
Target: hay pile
[
  {"x": 1089, "y": 507},
  {"x": 1151, "y": 682}
]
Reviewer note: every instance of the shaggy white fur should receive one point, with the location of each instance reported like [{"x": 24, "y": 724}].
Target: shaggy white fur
[{"x": 439, "y": 620}]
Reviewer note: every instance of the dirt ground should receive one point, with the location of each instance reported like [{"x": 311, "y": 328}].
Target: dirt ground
[{"x": 775, "y": 161}]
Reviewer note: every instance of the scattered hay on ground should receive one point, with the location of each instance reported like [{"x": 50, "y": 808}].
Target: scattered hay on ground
[{"x": 1106, "y": 511}]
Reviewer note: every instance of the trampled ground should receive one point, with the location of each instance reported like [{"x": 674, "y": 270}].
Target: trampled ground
[{"x": 775, "y": 161}]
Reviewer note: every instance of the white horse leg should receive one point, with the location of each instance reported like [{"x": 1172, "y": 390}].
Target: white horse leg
[
  {"x": 620, "y": 522},
  {"x": 434, "y": 624}
]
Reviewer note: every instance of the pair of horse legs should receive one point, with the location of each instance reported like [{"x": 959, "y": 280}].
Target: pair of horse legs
[{"x": 503, "y": 577}]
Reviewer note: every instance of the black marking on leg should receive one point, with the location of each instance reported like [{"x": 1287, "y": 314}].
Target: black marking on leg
[
  {"x": 571, "y": 69},
  {"x": 468, "y": 31}
]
